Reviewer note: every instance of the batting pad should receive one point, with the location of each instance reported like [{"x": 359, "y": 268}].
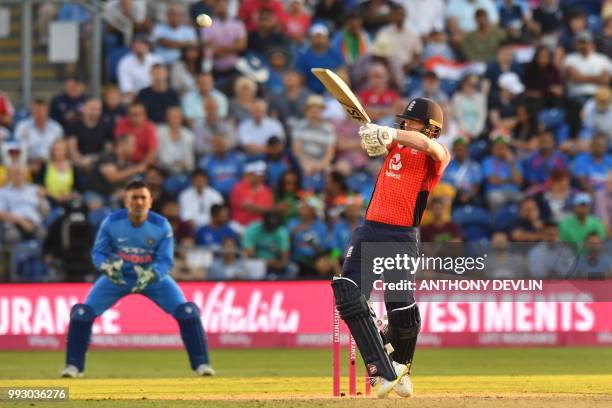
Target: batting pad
[
  {"x": 79, "y": 333},
  {"x": 192, "y": 332}
]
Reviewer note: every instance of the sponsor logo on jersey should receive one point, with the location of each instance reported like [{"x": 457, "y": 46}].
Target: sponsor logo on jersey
[
  {"x": 150, "y": 241},
  {"x": 349, "y": 252},
  {"x": 395, "y": 164}
]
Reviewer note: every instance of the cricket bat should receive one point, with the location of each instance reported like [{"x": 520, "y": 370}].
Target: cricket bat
[{"x": 338, "y": 88}]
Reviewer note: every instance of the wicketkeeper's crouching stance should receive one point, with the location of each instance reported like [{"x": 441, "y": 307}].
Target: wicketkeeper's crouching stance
[
  {"x": 414, "y": 164},
  {"x": 134, "y": 251}
]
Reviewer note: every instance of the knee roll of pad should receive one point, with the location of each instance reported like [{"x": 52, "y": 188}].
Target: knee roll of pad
[{"x": 82, "y": 313}]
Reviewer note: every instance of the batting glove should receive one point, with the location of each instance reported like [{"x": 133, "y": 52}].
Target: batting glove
[
  {"x": 375, "y": 138},
  {"x": 145, "y": 277},
  {"x": 112, "y": 269}
]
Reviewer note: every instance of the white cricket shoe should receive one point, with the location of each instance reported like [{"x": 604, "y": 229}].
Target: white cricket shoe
[
  {"x": 387, "y": 386},
  {"x": 71, "y": 371},
  {"x": 404, "y": 387},
  {"x": 205, "y": 370}
]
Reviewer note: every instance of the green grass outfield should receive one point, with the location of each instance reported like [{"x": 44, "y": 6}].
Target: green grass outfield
[{"x": 512, "y": 377}]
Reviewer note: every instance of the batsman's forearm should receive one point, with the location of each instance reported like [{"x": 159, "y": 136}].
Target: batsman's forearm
[{"x": 419, "y": 141}]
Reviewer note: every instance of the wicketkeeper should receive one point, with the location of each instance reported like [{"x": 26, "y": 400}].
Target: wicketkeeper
[
  {"x": 134, "y": 252},
  {"x": 414, "y": 164}
]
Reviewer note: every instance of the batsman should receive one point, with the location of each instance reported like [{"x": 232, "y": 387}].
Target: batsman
[
  {"x": 134, "y": 251},
  {"x": 413, "y": 166}
]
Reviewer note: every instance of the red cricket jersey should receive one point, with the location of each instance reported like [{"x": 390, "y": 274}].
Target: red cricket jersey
[{"x": 403, "y": 185}]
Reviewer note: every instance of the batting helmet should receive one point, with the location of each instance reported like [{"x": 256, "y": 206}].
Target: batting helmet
[{"x": 426, "y": 111}]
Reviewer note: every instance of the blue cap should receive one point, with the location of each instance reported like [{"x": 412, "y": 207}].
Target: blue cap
[{"x": 582, "y": 198}]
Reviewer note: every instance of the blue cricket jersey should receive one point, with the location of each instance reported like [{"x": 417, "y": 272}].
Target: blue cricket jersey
[{"x": 151, "y": 244}]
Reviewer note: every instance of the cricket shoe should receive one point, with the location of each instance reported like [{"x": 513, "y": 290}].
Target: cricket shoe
[
  {"x": 387, "y": 386},
  {"x": 71, "y": 371},
  {"x": 404, "y": 387},
  {"x": 205, "y": 370}
]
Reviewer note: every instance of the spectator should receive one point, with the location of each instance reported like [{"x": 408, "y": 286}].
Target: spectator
[
  {"x": 440, "y": 230},
  {"x": 405, "y": 43},
  {"x": 182, "y": 230},
  {"x": 592, "y": 169},
  {"x": 502, "y": 111},
  {"x": 585, "y": 71},
  {"x": 482, "y": 44},
  {"x": 267, "y": 35},
  {"x": 288, "y": 106},
  {"x": 176, "y": 154},
  {"x": 352, "y": 41},
  {"x": 461, "y": 14},
  {"x": 503, "y": 63},
  {"x": 314, "y": 142},
  {"x": 112, "y": 107},
  {"x": 525, "y": 130},
  {"x": 377, "y": 98},
  {"x": 250, "y": 10},
  {"x": 430, "y": 88},
  {"x": 173, "y": 36},
  {"x": 297, "y": 22},
  {"x": 211, "y": 126},
  {"x": 223, "y": 166},
  {"x": 501, "y": 262},
  {"x": 318, "y": 55},
  {"x": 577, "y": 227},
  {"x": 437, "y": 45},
  {"x": 376, "y": 14},
  {"x": 597, "y": 115},
  {"x": 351, "y": 218},
  {"x": 250, "y": 197},
  {"x": 528, "y": 227},
  {"x": 269, "y": 241},
  {"x": 144, "y": 132},
  {"x": 511, "y": 11},
  {"x": 245, "y": 92},
  {"x": 550, "y": 259},
  {"x": 155, "y": 177},
  {"x": 594, "y": 263},
  {"x": 23, "y": 208},
  {"x": 229, "y": 265},
  {"x": 423, "y": 18},
  {"x": 253, "y": 133},
  {"x": 217, "y": 230},
  {"x": 557, "y": 198},
  {"x": 184, "y": 71},
  {"x": 542, "y": 78},
  {"x": 58, "y": 176},
  {"x": 158, "y": 97},
  {"x": 336, "y": 194},
  {"x": 603, "y": 40},
  {"x": 279, "y": 59},
  {"x": 469, "y": 106},
  {"x": 89, "y": 136},
  {"x": 576, "y": 23},
  {"x": 330, "y": 12},
  {"x": 224, "y": 40},
  {"x": 6, "y": 111},
  {"x": 38, "y": 134},
  {"x": 309, "y": 242},
  {"x": 193, "y": 103},
  {"x": 195, "y": 202},
  {"x": 125, "y": 18},
  {"x": 134, "y": 69},
  {"x": 287, "y": 195},
  {"x": 548, "y": 17},
  {"x": 540, "y": 164},
  {"x": 65, "y": 107},
  {"x": 502, "y": 173},
  {"x": 278, "y": 161},
  {"x": 464, "y": 174},
  {"x": 111, "y": 171}
]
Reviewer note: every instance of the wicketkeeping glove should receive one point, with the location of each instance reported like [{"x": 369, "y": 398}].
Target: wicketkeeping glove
[
  {"x": 376, "y": 138},
  {"x": 112, "y": 269},
  {"x": 145, "y": 277}
]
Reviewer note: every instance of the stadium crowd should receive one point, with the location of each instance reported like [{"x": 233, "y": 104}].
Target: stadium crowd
[{"x": 256, "y": 166}]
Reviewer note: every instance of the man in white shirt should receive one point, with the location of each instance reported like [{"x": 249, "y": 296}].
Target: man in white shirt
[
  {"x": 127, "y": 17},
  {"x": 196, "y": 201},
  {"x": 38, "y": 133},
  {"x": 423, "y": 17},
  {"x": 134, "y": 70},
  {"x": 253, "y": 133},
  {"x": 192, "y": 103},
  {"x": 586, "y": 70},
  {"x": 170, "y": 38},
  {"x": 22, "y": 208},
  {"x": 461, "y": 14},
  {"x": 406, "y": 44}
]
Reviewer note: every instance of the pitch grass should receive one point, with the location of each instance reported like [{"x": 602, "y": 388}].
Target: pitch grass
[{"x": 513, "y": 378}]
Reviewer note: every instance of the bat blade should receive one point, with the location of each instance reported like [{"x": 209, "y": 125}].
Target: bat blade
[{"x": 343, "y": 94}]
